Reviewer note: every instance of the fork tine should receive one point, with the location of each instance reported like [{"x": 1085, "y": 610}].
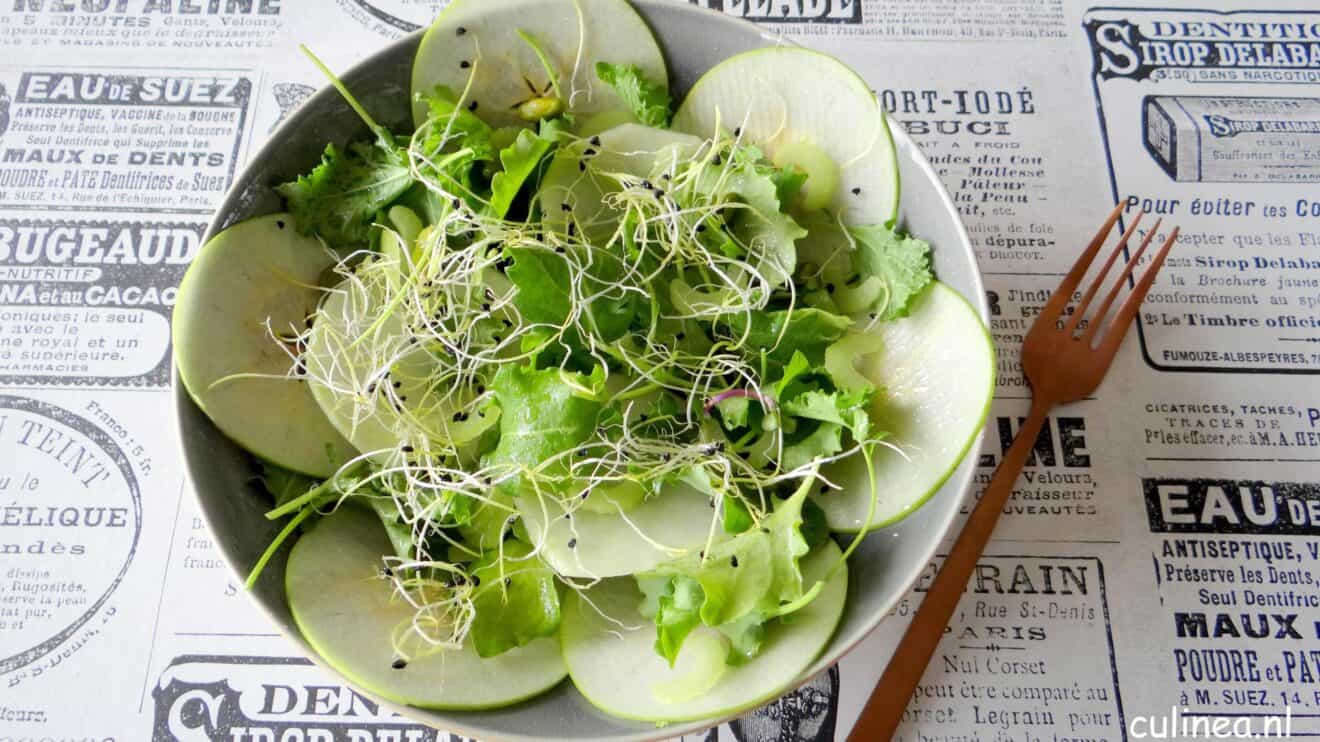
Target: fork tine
[
  {"x": 1053, "y": 308},
  {"x": 1080, "y": 310},
  {"x": 1098, "y": 319},
  {"x": 1126, "y": 313}
]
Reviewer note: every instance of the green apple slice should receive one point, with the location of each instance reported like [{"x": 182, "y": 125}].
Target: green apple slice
[
  {"x": 797, "y": 104},
  {"x": 346, "y": 376},
  {"x": 588, "y": 544},
  {"x": 478, "y": 46},
  {"x": 348, "y": 613},
  {"x": 578, "y": 179},
  {"x": 612, "y": 660},
  {"x": 936, "y": 373},
  {"x": 255, "y": 273}
]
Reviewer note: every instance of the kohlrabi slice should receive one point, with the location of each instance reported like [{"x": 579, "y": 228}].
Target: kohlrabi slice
[
  {"x": 582, "y": 543},
  {"x": 502, "y": 54},
  {"x": 584, "y": 172},
  {"x": 249, "y": 285},
  {"x": 807, "y": 109},
  {"x": 354, "y": 341},
  {"x": 609, "y": 648},
  {"x": 936, "y": 373},
  {"x": 350, "y": 615}
]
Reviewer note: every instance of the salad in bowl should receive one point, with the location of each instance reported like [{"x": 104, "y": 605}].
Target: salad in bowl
[{"x": 577, "y": 378}]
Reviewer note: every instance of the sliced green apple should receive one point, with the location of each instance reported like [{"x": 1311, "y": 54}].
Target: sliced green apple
[
  {"x": 347, "y": 364},
  {"x": 800, "y": 106},
  {"x": 349, "y": 614},
  {"x": 254, "y": 280},
  {"x": 611, "y": 657},
  {"x": 936, "y": 372},
  {"x": 583, "y": 173},
  {"x": 488, "y": 51},
  {"x": 589, "y": 544}
]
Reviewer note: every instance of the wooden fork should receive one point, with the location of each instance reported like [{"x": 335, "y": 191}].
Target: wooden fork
[{"x": 1064, "y": 361}]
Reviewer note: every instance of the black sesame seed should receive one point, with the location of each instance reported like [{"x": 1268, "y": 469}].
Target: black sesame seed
[
  {"x": 508, "y": 581},
  {"x": 472, "y": 106},
  {"x": 485, "y": 306},
  {"x": 733, "y": 561},
  {"x": 701, "y": 227},
  {"x": 873, "y": 315},
  {"x": 560, "y": 249},
  {"x": 565, "y": 207},
  {"x": 744, "y": 455},
  {"x": 665, "y": 457},
  {"x": 408, "y": 449},
  {"x": 824, "y": 488},
  {"x": 857, "y": 191},
  {"x": 397, "y": 384},
  {"x": 481, "y": 388},
  {"x": 717, "y": 161},
  {"x": 464, "y": 64},
  {"x": 588, "y": 152},
  {"x": 497, "y": 339},
  {"x": 280, "y": 223},
  {"x": 399, "y": 664},
  {"x": 387, "y": 572},
  {"x": 476, "y": 581},
  {"x": 572, "y": 543},
  {"x": 455, "y": 203},
  {"x": 764, "y": 529},
  {"x": 582, "y": 166},
  {"x": 460, "y": 417},
  {"x": 403, "y": 398},
  {"x": 507, "y": 323},
  {"x": 572, "y": 229},
  {"x": 829, "y": 287},
  {"x": 701, "y": 554},
  {"x": 680, "y": 336},
  {"x": 664, "y": 176},
  {"x": 595, "y": 141},
  {"x": 737, "y": 132},
  {"x": 460, "y": 31},
  {"x": 648, "y": 185}
]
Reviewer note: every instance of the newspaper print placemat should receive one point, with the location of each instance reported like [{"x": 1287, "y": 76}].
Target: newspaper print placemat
[{"x": 1154, "y": 576}]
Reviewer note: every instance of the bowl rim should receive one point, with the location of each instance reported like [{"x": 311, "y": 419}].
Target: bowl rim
[{"x": 960, "y": 478}]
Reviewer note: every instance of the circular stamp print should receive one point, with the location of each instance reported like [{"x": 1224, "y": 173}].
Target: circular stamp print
[{"x": 70, "y": 519}]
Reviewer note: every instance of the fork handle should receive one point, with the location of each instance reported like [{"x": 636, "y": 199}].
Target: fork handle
[{"x": 884, "y": 709}]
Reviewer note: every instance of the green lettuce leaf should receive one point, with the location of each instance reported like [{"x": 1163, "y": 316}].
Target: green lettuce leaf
[
  {"x": 747, "y": 178},
  {"x": 339, "y": 198},
  {"x": 545, "y": 284},
  {"x": 542, "y": 413},
  {"x": 515, "y": 598},
  {"x": 283, "y": 484},
  {"x": 400, "y": 533},
  {"x": 674, "y": 603},
  {"x": 649, "y": 101},
  {"x": 783, "y": 333},
  {"x": 742, "y": 582},
  {"x": 900, "y": 261},
  {"x": 519, "y": 160}
]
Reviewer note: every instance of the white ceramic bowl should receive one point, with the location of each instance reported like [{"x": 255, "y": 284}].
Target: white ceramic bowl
[{"x": 222, "y": 474}]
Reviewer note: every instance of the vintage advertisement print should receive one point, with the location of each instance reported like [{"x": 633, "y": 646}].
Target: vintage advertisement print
[
  {"x": 159, "y": 141},
  {"x": 1242, "y": 291},
  {"x": 1235, "y": 561},
  {"x": 69, "y": 528},
  {"x": 222, "y": 27},
  {"x": 88, "y": 303}
]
